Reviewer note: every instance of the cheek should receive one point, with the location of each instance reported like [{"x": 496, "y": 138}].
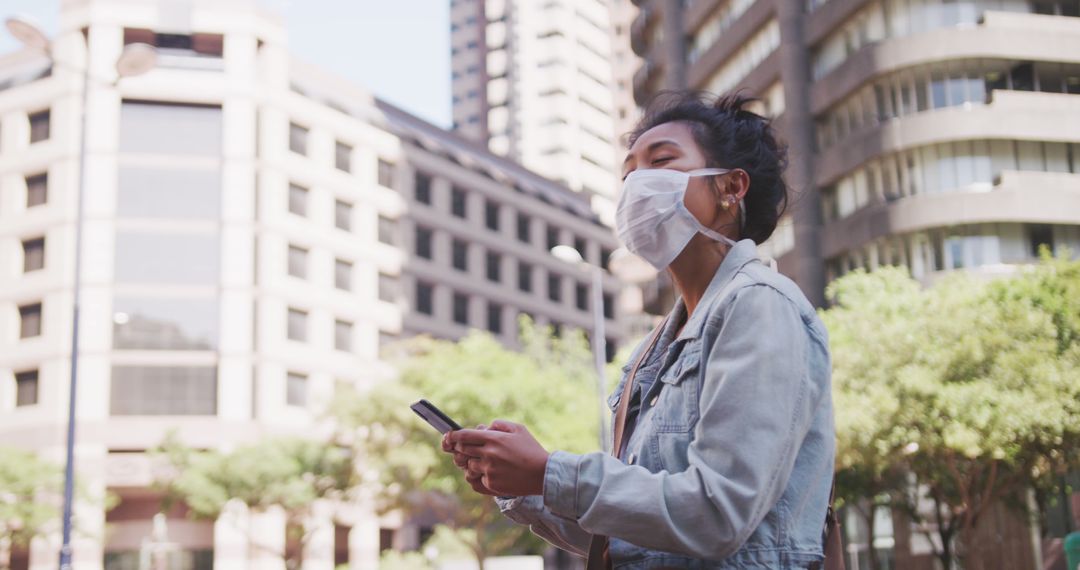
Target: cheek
[{"x": 699, "y": 200}]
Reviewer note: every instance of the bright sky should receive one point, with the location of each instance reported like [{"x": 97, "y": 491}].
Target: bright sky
[{"x": 398, "y": 49}]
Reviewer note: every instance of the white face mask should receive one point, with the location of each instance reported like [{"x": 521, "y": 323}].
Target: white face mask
[{"x": 652, "y": 219}]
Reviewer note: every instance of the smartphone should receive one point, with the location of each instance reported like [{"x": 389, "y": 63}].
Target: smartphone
[{"x": 434, "y": 416}]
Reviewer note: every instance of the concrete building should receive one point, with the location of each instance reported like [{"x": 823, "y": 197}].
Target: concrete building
[
  {"x": 534, "y": 81},
  {"x": 249, "y": 240},
  {"x": 937, "y": 135}
]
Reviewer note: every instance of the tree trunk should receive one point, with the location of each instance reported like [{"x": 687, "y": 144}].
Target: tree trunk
[
  {"x": 871, "y": 523},
  {"x": 970, "y": 556}
]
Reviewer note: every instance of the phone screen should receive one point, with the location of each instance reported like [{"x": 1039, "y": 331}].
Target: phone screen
[{"x": 434, "y": 416}]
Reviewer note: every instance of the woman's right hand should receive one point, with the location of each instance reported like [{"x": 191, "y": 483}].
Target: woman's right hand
[{"x": 461, "y": 460}]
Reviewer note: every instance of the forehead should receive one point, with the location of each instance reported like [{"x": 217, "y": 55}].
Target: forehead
[{"x": 676, "y": 131}]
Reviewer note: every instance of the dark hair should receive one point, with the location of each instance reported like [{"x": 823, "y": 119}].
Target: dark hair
[{"x": 730, "y": 136}]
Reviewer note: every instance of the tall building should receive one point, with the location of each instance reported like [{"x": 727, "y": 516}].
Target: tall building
[
  {"x": 253, "y": 233},
  {"x": 534, "y": 81},
  {"x": 937, "y": 135}
]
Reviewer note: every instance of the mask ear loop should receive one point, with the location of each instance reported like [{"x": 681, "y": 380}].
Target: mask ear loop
[{"x": 741, "y": 206}]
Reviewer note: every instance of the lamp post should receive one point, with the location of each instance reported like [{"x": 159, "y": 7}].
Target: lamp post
[{"x": 136, "y": 59}]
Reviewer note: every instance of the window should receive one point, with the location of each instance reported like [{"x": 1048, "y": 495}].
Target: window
[
  {"x": 554, "y": 282},
  {"x": 581, "y": 296},
  {"x": 342, "y": 275},
  {"x": 33, "y": 254},
  {"x": 163, "y": 391},
  {"x": 298, "y": 199},
  {"x": 39, "y": 126},
  {"x": 343, "y": 335},
  {"x": 386, "y": 173},
  {"x": 491, "y": 215},
  {"x": 494, "y": 318},
  {"x": 609, "y": 306},
  {"x": 422, "y": 191},
  {"x": 423, "y": 243},
  {"x": 494, "y": 267},
  {"x": 461, "y": 255},
  {"x": 26, "y": 388},
  {"x": 343, "y": 157},
  {"x": 155, "y": 322},
  {"x": 342, "y": 215},
  {"x": 425, "y": 298},
  {"x": 296, "y": 389},
  {"x": 30, "y": 320},
  {"x": 605, "y": 258},
  {"x": 387, "y": 230},
  {"x": 523, "y": 229},
  {"x": 581, "y": 247},
  {"x": 552, "y": 236},
  {"x": 610, "y": 348},
  {"x": 457, "y": 203},
  {"x": 168, "y": 192},
  {"x": 1040, "y": 235},
  {"x": 461, "y": 308},
  {"x": 388, "y": 288},
  {"x": 298, "y": 138},
  {"x": 37, "y": 190},
  {"x": 297, "y": 325},
  {"x": 298, "y": 262},
  {"x": 149, "y": 256},
  {"x": 524, "y": 277},
  {"x": 167, "y": 128}
]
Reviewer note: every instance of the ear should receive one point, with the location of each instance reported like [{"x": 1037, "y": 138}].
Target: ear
[{"x": 733, "y": 187}]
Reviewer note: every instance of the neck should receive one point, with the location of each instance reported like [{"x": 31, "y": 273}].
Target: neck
[{"x": 693, "y": 270}]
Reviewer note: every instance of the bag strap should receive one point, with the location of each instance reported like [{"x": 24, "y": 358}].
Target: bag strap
[{"x": 833, "y": 538}]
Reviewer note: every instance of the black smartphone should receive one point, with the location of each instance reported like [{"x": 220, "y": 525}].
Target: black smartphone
[{"x": 434, "y": 416}]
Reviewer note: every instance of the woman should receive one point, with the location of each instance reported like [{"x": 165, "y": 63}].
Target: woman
[{"x": 726, "y": 444}]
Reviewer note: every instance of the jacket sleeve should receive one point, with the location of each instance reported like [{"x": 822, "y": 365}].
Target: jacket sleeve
[
  {"x": 558, "y": 531},
  {"x": 756, "y": 406}
]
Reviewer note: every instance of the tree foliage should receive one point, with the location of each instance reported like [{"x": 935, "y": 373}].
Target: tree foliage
[
  {"x": 957, "y": 396},
  {"x": 30, "y": 496},
  {"x": 548, "y": 386}
]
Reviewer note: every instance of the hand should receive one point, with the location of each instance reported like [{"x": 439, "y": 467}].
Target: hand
[
  {"x": 461, "y": 460},
  {"x": 507, "y": 457}
]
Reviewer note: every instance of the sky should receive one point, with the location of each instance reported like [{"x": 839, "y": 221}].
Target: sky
[{"x": 399, "y": 49}]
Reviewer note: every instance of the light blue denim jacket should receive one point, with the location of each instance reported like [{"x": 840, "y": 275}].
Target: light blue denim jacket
[{"x": 731, "y": 460}]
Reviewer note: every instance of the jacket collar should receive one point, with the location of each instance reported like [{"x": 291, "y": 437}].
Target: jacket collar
[{"x": 743, "y": 252}]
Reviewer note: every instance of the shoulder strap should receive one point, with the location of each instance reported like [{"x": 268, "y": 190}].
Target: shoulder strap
[{"x": 628, "y": 390}]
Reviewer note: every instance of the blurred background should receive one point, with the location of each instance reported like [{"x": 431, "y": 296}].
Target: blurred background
[{"x": 234, "y": 232}]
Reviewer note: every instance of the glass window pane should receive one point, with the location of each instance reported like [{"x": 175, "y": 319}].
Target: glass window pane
[
  {"x": 342, "y": 275},
  {"x": 343, "y": 215},
  {"x": 176, "y": 258},
  {"x": 163, "y": 390},
  {"x": 26, "y": 388},
  {"x": 296, "y": 389},
  {"x": 1002, "y": 157},
  {"x": 386, "y": 173},
  {"x": 37, "y": 190},
  {"x": 343, "y": 156},
  {"x": 387, "y": 230},
  {"x": 297, "y": 325},
  {"x": 298, "y": 198},
  {"x": 297, "y": 262},
  {"x": 1057, "y": 157},
  {"x": 160, "y": 192},
  {"x": 39, "y": 126},
  {"x": 1030, "y": 155},
  {"x": 298, "y": 138},
  {"x": 965, "y": 164},
  {"x": 30, "y": 320},
  {"x": 343, "y": 335},
  {"x": 33, "y": 254},
  {"x": 154, "y": 323},
  {"x": 164, "y": 128}
]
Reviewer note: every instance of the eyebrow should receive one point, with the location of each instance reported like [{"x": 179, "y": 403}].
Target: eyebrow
[{"x": 652, "y": 147}]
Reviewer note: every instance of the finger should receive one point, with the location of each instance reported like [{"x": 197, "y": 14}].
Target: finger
[
  {"x": 446, "y": 445},
  {"x": 461, "y": 460},
  {"x": 505, "y": 426},
  {"x": 481, "y": 427},
  {"x": 471, "y": 436},
  {"x": 470, "y": 450}
]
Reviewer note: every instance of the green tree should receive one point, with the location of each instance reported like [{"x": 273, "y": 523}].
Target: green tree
[
  {"x": 547, "y": 386},
  {"x": 288, "y": 473},
  {"x": 975, "y": 397},
  {"x": 30, "y": 498}
]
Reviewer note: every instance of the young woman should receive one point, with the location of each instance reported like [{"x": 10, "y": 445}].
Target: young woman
[{"x": 726, "y": 454}]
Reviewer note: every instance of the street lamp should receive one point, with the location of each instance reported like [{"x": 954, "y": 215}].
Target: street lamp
[{"x": 136, "y": 59}]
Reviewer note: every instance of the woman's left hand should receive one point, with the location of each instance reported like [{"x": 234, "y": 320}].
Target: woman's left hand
[{"x": 507, "y": 457}]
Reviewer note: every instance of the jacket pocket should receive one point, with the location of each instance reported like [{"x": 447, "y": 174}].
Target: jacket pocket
[{"x": 676, "y": 407}]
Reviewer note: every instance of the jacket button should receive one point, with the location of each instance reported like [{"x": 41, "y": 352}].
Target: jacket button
[
  {"x": 630, "y": 460},
  {"x": 652, "y": 403}
]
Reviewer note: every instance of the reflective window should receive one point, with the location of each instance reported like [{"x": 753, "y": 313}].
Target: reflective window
[
  {"x": 609, "y": 306},
  {"x": 343, "y": 335},
  {"x": 30, "y": 320},
  {"x": 163, "y": 390},
  {"x": 494, "y": 318},
  {"x": 387, "y": 230},
  {"x": 298, "y": 138},
  {"x": 491, "y": 215},
  {"x": 423, "y": 243},
  {"x": 176, "y": 193},
  {"x": 524, "y": 231},
  {"x": 39, "y": 126},
  {"x": 342, "y": 275},
  {"x": 386, "y": 174},
  {"x": 37, "y": 190},
  {"x": 554, "y": 287},
  {"x": 460, "y": 250},
  {"x": 154, "y": 323},
  {"x": 298, "y": 199},
  {"x": 297, "y": 325},
  {"x": 422, "y": 190},
  {"x": 461, "y": 308},
  {"x": 425, "y": 298},
  {"x": 26, "y": 388},
  {"x": 458, "y": 203},
  {"x": 524, "y": 277},
  {"x": 343, "y": 156},
  {"x": 164, "y": 128},
  {"x": 389, "y": 288},
  {"x": 342, "y": 215},
  {"x": 298, "y": 263},
  {"x": 494, "y": 267},
  {"x": 581, "y": 296},
  {"x": 181, "y": 258},
  {"x": 296, "y": 388},
  {"x": 33, "y": 254}
]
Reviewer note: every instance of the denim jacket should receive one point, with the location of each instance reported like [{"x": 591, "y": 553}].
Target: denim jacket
[{"x": 730, "y": 461}]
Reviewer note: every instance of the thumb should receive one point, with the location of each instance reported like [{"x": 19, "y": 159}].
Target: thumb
[{"x": 504, "y": 426}]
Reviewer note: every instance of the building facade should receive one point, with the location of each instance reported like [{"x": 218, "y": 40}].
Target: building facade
[
  {"x": 535, "y": 81},
  {"x": 936, "y": 135},
  {"x": 249, "y": 242}
]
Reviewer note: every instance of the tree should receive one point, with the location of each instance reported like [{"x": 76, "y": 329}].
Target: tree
[
  {"x": 30, "y": 499},
  {"x": 548, "y": 386},
  {"x": 976, "y": 397},
  {"x": 289, "y": 473}
]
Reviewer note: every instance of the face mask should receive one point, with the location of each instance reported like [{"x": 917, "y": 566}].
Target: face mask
[{"x": 652, "y": 219}]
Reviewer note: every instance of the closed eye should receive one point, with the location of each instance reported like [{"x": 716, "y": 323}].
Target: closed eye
[{"x": 655, "y": 161}]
